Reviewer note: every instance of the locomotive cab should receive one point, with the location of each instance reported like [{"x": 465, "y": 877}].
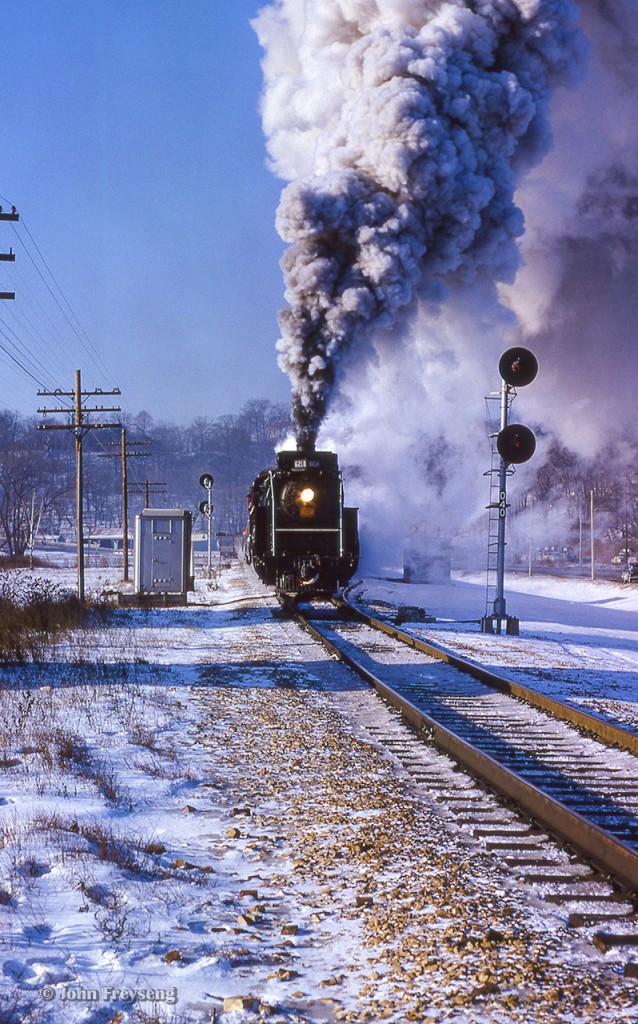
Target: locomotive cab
[{"x": 301, "y": 537}]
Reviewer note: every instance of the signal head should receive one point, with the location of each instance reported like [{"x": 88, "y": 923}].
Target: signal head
[
  {"x": 516, "y": 443},
  {"x": 518, "y": 367}
]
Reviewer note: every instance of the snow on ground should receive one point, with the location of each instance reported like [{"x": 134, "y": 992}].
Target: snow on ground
[
  {"x": 196, "y": 825},
  {"x": 578, "y": 638}
]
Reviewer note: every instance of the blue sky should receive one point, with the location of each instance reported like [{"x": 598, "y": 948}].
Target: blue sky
[{"x": 131, "y": 146}]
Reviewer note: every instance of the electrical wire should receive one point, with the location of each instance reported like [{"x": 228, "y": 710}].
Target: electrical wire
[
  {"x": 70, "y": 317},
  {"x": 40, "y": 324},
  {"x": 35, "y": 373}
]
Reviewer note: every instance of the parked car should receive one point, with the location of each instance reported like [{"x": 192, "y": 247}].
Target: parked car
[
  {"x": 630, "y": 575},
  {"x": 624, "y": 555}
]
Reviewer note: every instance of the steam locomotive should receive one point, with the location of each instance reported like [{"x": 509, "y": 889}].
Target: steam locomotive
[{"x": 300, "y": 536}]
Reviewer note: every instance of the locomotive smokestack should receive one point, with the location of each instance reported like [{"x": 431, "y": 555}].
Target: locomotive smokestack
[{"x": 306, "y": 442}]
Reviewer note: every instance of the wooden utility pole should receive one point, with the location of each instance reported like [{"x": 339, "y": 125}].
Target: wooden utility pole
[
  {"x": 8, "y": 257},
  {"x": 159, "y": 487},
  {"x": 124, "y": 505},
  {"x": 591, "y": 534},
  {"x": 124, "y": 454},
  {"x": 80, "y": 426}
]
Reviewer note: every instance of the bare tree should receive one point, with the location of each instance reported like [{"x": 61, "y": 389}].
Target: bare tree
[{"x": 26, "y": 494}]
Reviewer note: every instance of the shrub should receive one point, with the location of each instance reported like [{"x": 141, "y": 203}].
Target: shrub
[{"x": 32, "y": 611}]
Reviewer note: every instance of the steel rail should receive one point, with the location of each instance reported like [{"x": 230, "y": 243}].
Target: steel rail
[
  {"x": 608, "y": 854},
  {"x": 613, "y": 735}
]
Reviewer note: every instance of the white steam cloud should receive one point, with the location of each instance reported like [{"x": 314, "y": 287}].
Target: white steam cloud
[
  {"x": 395, "y": 120},
  {"x": 577, "y": 294},
  {"x": 405, "y": 127}
]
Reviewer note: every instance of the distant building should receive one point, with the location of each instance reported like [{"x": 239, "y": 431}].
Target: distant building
[{"x": 108, "y": 540}]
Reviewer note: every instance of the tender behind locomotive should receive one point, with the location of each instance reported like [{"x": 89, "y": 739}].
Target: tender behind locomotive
[{"x": 300, "y": 537}]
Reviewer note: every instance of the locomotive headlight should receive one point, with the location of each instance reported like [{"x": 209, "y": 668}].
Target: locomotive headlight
[{"x": 300, "y": 500}]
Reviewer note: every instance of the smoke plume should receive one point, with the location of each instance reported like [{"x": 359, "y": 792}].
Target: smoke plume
[
  {"x": 576, "y": 297},
  {"x": 405, "y": 128}
]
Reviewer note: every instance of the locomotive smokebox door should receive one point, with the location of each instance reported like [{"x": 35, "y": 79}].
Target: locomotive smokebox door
[
  {"x": 301, "y": 538},
  {"x": 163, "y": 551}
]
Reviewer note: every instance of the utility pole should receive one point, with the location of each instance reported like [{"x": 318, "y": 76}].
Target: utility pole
[
  {"x": 80, "y": 426},
  {"x": 531, "y": 536},
  {"x": 124, "y": 504},
  {"x": 8, "y": 257},
  {"x": 124, "y": 454},
  {"x": 591, "y": 534},
  {"x": 159, "y": 487},
  {"x": 626, "y": 529}
]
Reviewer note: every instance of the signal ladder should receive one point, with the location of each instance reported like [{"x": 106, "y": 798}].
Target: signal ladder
[{"x": 497, "y": 503}]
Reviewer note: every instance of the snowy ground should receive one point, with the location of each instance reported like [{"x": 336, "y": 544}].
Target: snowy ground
[
  {"x": 578, "y": 638},
  {"x": 196, "y": 825}
]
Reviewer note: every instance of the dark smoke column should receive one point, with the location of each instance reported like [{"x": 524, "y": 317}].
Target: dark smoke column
[
  {"x": 404, "y": 128},
  {"x": 352, "y": 264}
]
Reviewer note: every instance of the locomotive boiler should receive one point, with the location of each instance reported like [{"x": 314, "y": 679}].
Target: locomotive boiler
[{"x": 300, "y": 536}]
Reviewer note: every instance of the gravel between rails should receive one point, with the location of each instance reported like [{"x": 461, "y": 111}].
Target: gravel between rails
[{"x": 343, "y": 838}]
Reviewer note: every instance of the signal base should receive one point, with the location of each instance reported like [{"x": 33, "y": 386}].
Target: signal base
[{"x": 494, "y": 624}]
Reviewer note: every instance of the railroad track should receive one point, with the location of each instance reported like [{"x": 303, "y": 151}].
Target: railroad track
[{"x": 569, "y": 779}]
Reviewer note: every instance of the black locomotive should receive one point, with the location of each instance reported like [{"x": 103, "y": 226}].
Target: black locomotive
[{"x": 300, "y": 537}]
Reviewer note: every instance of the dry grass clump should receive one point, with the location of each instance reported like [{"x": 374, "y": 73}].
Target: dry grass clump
[
  {"x": 161, "y": 1016},
  {"x": 143, "y": 736},
  {"x": 63, "y": 751},
  {"x": 21, "y": 562},
  {"x": 18, "y": 1006},
  {"x": 32, "y": 611},
  {"x": 59, "y": 748},
  {"x": 101, "y": 841}
]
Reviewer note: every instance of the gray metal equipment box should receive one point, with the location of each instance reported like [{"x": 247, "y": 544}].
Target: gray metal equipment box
[{"x": 163, "y": 551}]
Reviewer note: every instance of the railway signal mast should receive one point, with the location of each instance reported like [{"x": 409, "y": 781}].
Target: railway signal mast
[
  {"x": 207, "y": 508},
  {"x": 515, "y": 444}
]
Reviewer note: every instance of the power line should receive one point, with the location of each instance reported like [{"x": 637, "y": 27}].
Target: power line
[
  {"x": 73, "y": 323},
  {"x": 36, "y": 366},
  {"x": 17, "y": 361},
  {"x": 30, "y": 328},
  {"x": 28, "y": 300}
]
